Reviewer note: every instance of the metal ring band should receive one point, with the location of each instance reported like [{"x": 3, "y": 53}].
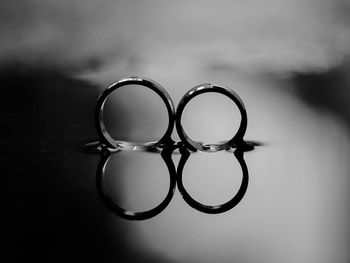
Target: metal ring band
[
  {"x": 99, "y": 122},
  {"x": 204, "y": 88},
  {"x": 217, "y": 209},
  {"x": 166, "y": 156}
]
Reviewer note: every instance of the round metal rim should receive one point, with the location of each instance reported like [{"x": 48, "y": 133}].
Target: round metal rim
[
  {"x": 217, "y": 209},
  {"x": 204, "y": 88},
  {"x": 130, "y": 215},
  {"x": 100, "y": 125}
]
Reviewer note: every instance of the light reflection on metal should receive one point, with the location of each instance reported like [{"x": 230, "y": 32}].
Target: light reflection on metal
[
  {"x": 217, "y": 209},
  {"x": 167, "y": 147},
  {"x": 195, "y": 145},
  {"x": 131, "y": 215},
  {"x": 107, "y": 139}
]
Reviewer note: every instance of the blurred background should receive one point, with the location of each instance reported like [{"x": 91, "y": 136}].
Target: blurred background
[{"x": 289, "y": 62}]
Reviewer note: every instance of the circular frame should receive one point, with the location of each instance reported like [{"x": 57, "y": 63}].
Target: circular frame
[
  {"x": 130, "y": 215},
  {"x": 195, "y": 145},
  {"x": 107, "y": 139},
  {"x": 217, "y": 209}
]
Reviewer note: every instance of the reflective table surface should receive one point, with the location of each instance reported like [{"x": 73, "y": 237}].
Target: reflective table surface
[{"x": 295, "y": 208}]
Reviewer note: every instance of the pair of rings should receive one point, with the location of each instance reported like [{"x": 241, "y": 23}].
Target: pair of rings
[
  {"x": 176, "y": 179},
  {"x": 167, "y": 146},
  {"x": 174, "y": 117}
]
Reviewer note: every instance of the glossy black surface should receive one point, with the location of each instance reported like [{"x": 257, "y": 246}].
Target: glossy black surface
[{"x": 52, "y": 209}]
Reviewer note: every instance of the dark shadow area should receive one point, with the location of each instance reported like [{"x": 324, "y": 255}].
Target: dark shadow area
[
  {"x": 51, "y": 211},
  {"x": 326, "y": 92}
]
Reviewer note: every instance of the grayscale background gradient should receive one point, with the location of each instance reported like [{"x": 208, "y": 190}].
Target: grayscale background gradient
[{"x": 289, "y": 61}]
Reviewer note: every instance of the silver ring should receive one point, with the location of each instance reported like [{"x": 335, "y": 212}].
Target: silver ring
[
  {"x": 100, "y": 125},
  {"x": 216, "y": 209},
  {"x": 131, "y": 215},
  {"x": 195, "y": 145}
]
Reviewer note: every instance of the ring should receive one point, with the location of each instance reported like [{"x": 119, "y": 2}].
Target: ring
[
  {"x": 100, "y": 125},
  {"x": 100, "y": 176},
  {"x": 194, "y": 145},
  {"x": 217, "y": 209}
]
